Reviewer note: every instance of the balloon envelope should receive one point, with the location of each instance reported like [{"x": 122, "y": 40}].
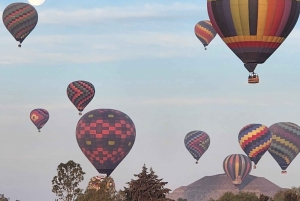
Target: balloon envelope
[
  {"x": 205, "y": 32},
  {"x": 105, "y": 136},
  {"x": 20, "y": 19},
  {"x": 80, "y": 94},
  {"x": 253, "y": 29},
  {"x": 197, "y": 142},
  {"x": 285, "y": 144},
  {"x": 39, "y": 117},
  {"x": 255, "y": 140},
  {"x": 237, "y": 167}
]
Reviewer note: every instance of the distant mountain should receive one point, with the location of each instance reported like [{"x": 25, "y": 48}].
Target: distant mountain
[{"x": 215, "y": 186}]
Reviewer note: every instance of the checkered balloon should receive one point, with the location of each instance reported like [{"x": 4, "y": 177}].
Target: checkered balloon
[
  {"x": 105, "y": 136},
  {"x": 197, "y": 142}
]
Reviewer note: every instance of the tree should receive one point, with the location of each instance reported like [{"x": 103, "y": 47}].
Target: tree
[
  {"x": 263, "y": 197},
  {"x": 147, "y": 187},
  {"x": 291, "y": 195},
  {"x": 241, "y": 196},
  {"x": 101, "y": 189},
  {"x": 2, "y": 198},
  {"x": 181, "y": 199},
  {"x": 279, "y": 196},
  {"x": 65, "y": 184}
]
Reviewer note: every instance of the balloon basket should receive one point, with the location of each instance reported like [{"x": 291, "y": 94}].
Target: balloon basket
[
  {"x": 254, "y": 166},
  {"x": 196, "y": 162},
  {"x": 253, "y": 79},
  {"x": 80, "y": 113},
  {"x": 39, "y": 131},
  {"x": 283, "y": 172}
]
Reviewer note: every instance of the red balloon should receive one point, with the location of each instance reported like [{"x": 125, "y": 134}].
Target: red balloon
[{"x": 105, "y": 136}]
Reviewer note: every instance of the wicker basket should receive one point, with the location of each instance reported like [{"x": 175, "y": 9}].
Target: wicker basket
[{"x": 253, "y": 80}]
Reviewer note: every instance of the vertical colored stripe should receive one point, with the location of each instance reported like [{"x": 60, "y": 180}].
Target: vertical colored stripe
[
  {"x": 253, "y": 8},
  {"x": 228, "y": 17},
  {"x": 235, "y": 10},
  {"x": 237, "y": 161},
  {"x": 262, "y": 12},
  {"x": 270, "y": 17},
  {"x": 244, "y": 15},
  {"x": 285, "y": 16},
  {"x": 218, "y": 12},
  {"x": 212, "y": 19},
  {"x": 277, "y": 17},
  {"x": 293, "y": 17}
]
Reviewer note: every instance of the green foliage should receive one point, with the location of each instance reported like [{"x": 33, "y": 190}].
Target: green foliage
[
  {"x": 181, "y": 199},
  {"x": 65, "y": 184},
  {"x": 103, "y": 192},
  {"x": 147, "y": 187},
  {"x": 263, "y": 197},
  {"x": 291, "y": 195},
  {"x": 279, "y": 196},
  {"x": 4, "y": 198},
  {"x": 241, "y": 196}
]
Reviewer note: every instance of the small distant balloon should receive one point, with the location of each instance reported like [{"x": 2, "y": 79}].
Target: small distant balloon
[
  {"x": 105, "y": 136},
  {"x": 197, "y": 142},
  {"x": 20, "y": 19},
  {"x": 205, "y": 32},
  {"x": 80, "y": 94},
  {"x": 39, "y": 117}
]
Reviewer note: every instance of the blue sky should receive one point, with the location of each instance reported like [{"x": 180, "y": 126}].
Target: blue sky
[{"x": 144, "y": 60}]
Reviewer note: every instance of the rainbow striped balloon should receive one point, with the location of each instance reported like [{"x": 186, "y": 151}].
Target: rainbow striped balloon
[
  {"x": 285, "y": 144},
  {"x": 205, "y": 32},
  {"x": 255, "y": 140},
  {"x": 237, "y": 167},
  {"x": 253, "y": 29}
]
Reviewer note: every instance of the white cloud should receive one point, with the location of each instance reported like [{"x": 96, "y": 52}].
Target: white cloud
[
  {"x": 147, "y": 11},
  {"x": 76, "y": 48}
]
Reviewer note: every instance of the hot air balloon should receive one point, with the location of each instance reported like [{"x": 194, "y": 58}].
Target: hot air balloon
[
  {"x": 237, "y": 167},
  {"x": 255, "y": 140},
  {"x": 105, "y": 136},
  {"x": 205, "y": 32},
  {"x": 285, "y": 144},
  {"x": 39, "y": 117},
  {"x": 20, "y": 19},
  {"x": 80, "y": 94},
  {"x": 253, "y": 29},
  {"x": 197, "y": 142}
]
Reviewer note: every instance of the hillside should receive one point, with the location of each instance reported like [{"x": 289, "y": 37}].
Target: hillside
[{"x": 216, "y": 185}]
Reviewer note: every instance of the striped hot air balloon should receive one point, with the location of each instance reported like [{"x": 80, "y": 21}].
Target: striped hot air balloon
[
  {"x": 285, "y": 144},
  {"x": 205, "y": 32},
  {"x": 237, "y": 167},
  {"x": 253, "y": 29},
  {"x": 39, "y": 117},
  {"x": 197, "y": 142},
  {"x": 20, "y": 19},
  {"x": 255, "y": 140},
  {"x": 80, "y": 94}
]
